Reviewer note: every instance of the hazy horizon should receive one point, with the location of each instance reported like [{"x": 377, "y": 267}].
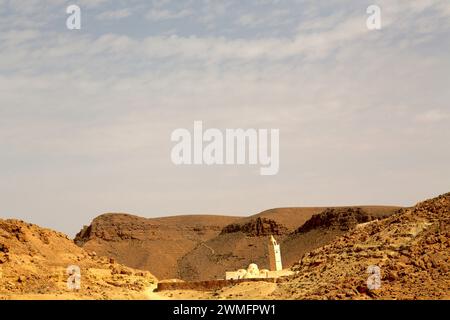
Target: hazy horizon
[{"x": 86, "y": 115}]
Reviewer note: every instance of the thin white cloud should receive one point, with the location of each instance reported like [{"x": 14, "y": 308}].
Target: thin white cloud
[
  {"x": 272, "y": 18},
  {"x": 91, "y": 3},
  {"x": 114, "y": 14},
  {"x": 164, "y": 14}
]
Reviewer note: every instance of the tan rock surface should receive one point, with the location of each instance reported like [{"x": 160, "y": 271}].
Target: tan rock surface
[
  {"x": 411, "y": 248},
  {"x": 33, "y": 263}
]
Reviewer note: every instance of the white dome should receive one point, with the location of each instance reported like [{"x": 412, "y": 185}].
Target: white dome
[{"x": 253, "y": 269}]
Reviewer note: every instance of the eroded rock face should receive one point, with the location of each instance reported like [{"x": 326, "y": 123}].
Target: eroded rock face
[
  {"x": 337, "y": 218},
  {"x": 117, "y": 227},
  {"x": 258, "y": 227},
  {"x": 411, "y": 249},
  {"x": 154, "y": 244},
  {"x": 199, "y": 247}
]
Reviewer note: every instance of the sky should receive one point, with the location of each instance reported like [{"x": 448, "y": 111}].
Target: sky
[{"x": 86, "y": 115}]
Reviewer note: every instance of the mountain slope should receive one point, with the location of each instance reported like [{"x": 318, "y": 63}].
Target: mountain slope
[
  {"x": 323, "y": 227},
  {"x": 245, "y": 241},
  {"x": 151, "y": 244},
  {"x": 202, "y": 247},
  {"x": 33, "y": 263},
  {"x": 411, "y": 248}
]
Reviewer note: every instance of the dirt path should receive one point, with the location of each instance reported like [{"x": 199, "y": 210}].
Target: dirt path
[{"x": 153, "y": 295}]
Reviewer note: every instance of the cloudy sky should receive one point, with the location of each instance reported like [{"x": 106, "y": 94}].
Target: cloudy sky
[{"x": 86, "y": 115}]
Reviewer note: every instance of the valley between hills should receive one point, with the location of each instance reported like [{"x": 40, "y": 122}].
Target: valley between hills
[{"x": 328, "y": 249}]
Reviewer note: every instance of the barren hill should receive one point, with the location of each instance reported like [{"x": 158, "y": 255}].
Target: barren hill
[
  {"x": 323, "y": 227},
  {"x": 336, "y": 246},
  {"x": 34, "y": 262},
  {"x": 293, "y": 218},
  {"x": 411, "y": 248},
  {"x": 245, "y": 241},
  {"x": 202, "y": 247},
  {"x": 153, "y": 244}
]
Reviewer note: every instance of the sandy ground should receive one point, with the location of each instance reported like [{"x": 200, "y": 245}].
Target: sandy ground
[
  {"x": 258, "y": 290},
  {"x": 246, "y": 290}
]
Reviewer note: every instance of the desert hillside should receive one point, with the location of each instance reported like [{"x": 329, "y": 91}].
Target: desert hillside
[
  {"x": 245, "y": 241},
  {"x": 323, "y": 227},
  {"x": 153, "y": 244},
  {"x": 331, "y": 252},
  {"x": 411, "y": 248},
  {"x": 203, "y": 247},
  {"x": 33, "y": 263}
]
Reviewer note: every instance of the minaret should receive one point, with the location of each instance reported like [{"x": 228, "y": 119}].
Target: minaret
[{"x": 274, "y": 255}]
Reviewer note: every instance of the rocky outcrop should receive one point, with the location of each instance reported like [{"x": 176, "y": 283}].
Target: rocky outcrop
[
  {"x": 258, "y": 227},
  {"x": 201, "y": 247},
  {"x": 154, "y": 244},
  {"x": 338, "y": 218},
  {"x": 411, "y": 250},
  {"x": 117, "y": 227}
]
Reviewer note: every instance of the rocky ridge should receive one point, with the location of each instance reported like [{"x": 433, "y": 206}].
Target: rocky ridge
[
  {"x": 258, "y": 227},
  {"x": 411, "y": 249}
]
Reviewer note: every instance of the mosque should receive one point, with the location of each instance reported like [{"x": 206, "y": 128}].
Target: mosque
[{"x": 253, "y": 272}]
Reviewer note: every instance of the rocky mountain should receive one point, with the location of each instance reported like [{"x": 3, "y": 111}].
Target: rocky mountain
[
  {"x": 325, "y": 226},
  {"x": 34, "y": 262},
  {"x": 336, "y": 253},
  {"x": 342, "y": 219},
  {"x": 204, "y": 247},
  {"x": 411, "y": 250},
  {"x": 150, "y": 244},
  {"x": 245, "y": 241},
  {"x": 403, "y": 256}
]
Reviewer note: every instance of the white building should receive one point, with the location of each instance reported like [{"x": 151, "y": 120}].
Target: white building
[
  {"x": 252, "y": 272},
  {"x": 274, "y": 255}
]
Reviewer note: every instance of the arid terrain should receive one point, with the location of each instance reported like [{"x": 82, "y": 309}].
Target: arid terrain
[
  {"x": 149, "y": 244},
  {"x": 329, "y": 250},
  {"x": 411, "y": 248},
  {"x": 33, "y": 263},
  {"x": 204, "y": 247}
]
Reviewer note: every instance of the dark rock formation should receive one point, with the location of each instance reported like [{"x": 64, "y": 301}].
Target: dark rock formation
[
  {"x": 257, "y": 228},
  {"x": 343, "y": 219}
]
